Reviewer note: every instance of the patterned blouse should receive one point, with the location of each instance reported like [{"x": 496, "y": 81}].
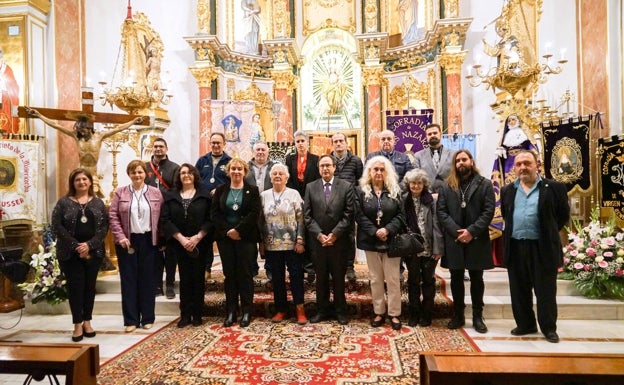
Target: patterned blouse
[{"x": 281, "y": 224}]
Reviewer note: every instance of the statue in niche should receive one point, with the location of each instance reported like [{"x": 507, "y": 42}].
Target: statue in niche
[
  {"x": 408, "y": 20},
  {"x": 334, "y": 89},
  {"x": 251, "y": 24}
]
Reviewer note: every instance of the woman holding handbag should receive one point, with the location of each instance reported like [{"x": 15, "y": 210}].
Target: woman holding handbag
[
  {"x": 420, "y": 213},
  {"x": 379, "y": 216}
]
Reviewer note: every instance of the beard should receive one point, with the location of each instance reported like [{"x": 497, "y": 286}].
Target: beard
[
  {"x": 464, "y": 171},
  {"x": 434, "y": 142}
]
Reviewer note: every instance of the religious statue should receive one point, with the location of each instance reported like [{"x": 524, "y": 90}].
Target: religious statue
[
  {"x": 251, "y": 24},
  {"x": 152, "y": 69},
  {"x": 507, "y": 50},
  {"x": 9, "y": 97},
  {"x": 87, "y": 139},
  {"x": 334, "y": 90},
  {"x": 408, "y": 20}
]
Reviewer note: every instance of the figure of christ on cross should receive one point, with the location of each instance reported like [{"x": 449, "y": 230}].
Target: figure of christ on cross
[{"x": 89, "y": 141}]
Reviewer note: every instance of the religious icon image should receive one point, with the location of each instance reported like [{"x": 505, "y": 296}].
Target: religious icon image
[
  {"x": 257, "y": 132},
  {"x": 566, "y": 161},
  {"x": 408, "y": 20},
  {"x": 231, "y": 127},
  {"x": 7, "y": 173},
  {"x": 9, "y": 97},
  {"x": 251, "y": 25}
]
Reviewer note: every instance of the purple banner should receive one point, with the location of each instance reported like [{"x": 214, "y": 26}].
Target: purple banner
[{"x": 409, "y": 128}]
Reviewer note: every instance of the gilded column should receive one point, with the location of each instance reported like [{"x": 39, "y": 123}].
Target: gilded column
[
  {"x": 372, "y": 80},
  {"x": 285, "y": 84},
  {"x": 452, "y": 62}
]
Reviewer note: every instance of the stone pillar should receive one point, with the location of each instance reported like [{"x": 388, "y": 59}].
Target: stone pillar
[
  {"x": 372, "y": 80},
  {"x": 285, "y": 84},
  {"x": 452, "y": 62},
  {"x": 204, "y": 76}
]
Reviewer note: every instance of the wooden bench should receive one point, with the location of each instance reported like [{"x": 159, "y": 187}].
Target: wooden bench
[
  {"x": 479, "y": 368},
  {"x": 79, "y": 363}
]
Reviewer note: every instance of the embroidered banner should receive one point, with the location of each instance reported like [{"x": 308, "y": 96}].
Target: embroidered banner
[
  {"x": 22, "y": 191},
  {"x": 409, "y": 129},
  {"x": 234, "y": 119},
  {"x": 566, "y": 152},
  {"x": 611, "y": 164}
]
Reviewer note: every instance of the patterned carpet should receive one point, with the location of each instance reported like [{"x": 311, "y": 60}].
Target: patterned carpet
[{"x": 285, "y": 353}]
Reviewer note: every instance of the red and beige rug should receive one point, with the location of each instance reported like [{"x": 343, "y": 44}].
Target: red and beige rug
[{"x": 285, "y": 353}]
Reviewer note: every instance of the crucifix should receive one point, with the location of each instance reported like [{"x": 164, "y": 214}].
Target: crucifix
[{"x": 87, "y": 139}]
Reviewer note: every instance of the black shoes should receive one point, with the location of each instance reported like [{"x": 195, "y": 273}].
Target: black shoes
[
  {"x": 229, "y": 320},
  {"x": 552, "y": 337},
  {"x": 77, "y": 338},
  {"x": 311, "y": 277},
  {"x": 184, "y": 322},
  {"x": 425, "y": 321},
  {"x": 378, "y": 321},
  {"x": 89, "y": 334},
  {"x": 456, "y": 323},
  {"x": 342, "y": 319},
  {"x": 197, "y": 321},
  {"x": 395, "y": 322},
  {"x": 317, "y": 318},
  {"x": 245, "y": 320},
  {"x": 413, "y": 320},
  {"x": 479, "y": 324},
  {"x": 169, "y": 292},
  {"x": 521, "y": 332}
]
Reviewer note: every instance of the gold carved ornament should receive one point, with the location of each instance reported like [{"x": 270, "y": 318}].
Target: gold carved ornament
[
  {"x": 281, "y": 19},
  {"x": 452, "y": 62},
  {"x": 285, "y": 80},
  {"x": 411, "y": 88},
  {"x": 451, "y": 8},
  {"x": 204, "y": 75},
  {"x": 370, "y": 15},
  {"x": 373, "y": 76},
  {"x": 203, "y": 16},
  {"x": 253, "y": 93}
]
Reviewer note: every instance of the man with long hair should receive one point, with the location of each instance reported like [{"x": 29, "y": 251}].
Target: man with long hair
[{"x": 465, "y": 210}]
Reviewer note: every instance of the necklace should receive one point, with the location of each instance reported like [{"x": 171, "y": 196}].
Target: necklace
[
  {"x": 276, "y": 201},
  {"x": 235, "y": 205},
  {"x": 138, "y": 197},
  {"x": 379, "y": 211},
  {"x": 186, "y": 202},
  {"x": 187, "y": 194},
  {"x": 83, "y": 218},
  {"x": 463, "y": 192}
]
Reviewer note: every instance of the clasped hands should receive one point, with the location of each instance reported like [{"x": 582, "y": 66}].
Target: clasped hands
[
  {"x": 326, "y": 240},
  {"x": 83, "y": 250},
  {"x": 463, "y": 236},
  {"x": 382, "y": 234}
]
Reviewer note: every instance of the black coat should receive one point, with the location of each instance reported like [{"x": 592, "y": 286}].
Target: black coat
[
  {"x": 393, "y": 219},
  {"x": 476, "y": 218},
  {"x": 351, "y": 169},
  {"x": 249, "y": 211},
  {"x": 554, "y": 213},
  {"x": 173, "y": 219},
  {"x": 310, "y": 174}
]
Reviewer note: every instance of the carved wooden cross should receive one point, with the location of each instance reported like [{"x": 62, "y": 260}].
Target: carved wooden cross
[{"x": 87, "y": 110}]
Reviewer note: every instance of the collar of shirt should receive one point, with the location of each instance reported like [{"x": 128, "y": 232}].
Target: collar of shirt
[
  {"x": 387, "y": 154},
  {"x": 535, "y": 185}
]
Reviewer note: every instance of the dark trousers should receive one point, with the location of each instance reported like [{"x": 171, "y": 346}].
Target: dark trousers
[
  {"x": 166, "y": 261},
  {"x": 192, "y": 283},
  {"x": 81, "y": 275},
  {"x": 421, "y": 280},
  {"x": 477, "y": 289},
  {"x": 278, "y": 262},
  {"x": 350, "y": 260},
  {"x": 236, "y": 258},
  {"x": 136, "y": 273},
  {"x": 209, "y": 252},
  {"x": 526, "y": 273},
  {"x": 330, "y": 260}
]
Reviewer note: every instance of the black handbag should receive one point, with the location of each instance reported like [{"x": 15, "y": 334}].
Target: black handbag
[{"x": 406, "y": 245}]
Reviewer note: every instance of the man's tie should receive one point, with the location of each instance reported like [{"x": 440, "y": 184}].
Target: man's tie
[
  {"x": 327, "y": 191},
  {"x": 436, "y": 159}
]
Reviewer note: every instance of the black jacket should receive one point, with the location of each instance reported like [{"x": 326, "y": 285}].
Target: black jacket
[
  {"x": 174, "y": 218},
  {"x": 250, "y": 210},
  {"x": 167, "y": 170},
  {"x": 351, "y": 169},
  {"x": 393, "y": 219}
]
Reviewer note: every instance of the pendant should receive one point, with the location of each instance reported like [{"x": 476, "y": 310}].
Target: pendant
[
  {"x": 379, "y": 214},
  {"x": 463, "y": 204},
  {"x": 274, "y": 212},
  {"x": 212, "y": 180},
  {"x": 130, "y": 250},
  {"x": 83, "y": 219},
  {"x": 235, "y": 207}
]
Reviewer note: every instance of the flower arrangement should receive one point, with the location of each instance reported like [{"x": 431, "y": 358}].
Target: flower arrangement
[
  {"x": 48, "y": 282},
  {"x": 594, "y": 258}
]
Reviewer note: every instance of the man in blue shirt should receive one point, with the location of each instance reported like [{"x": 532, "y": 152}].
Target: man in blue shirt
[{"x": 535, "y": 209}]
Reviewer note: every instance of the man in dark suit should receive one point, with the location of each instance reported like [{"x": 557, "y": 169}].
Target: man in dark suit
[
  {"x": 303, "y": 169},
  {"x": 328, "y": 214},
  {"x": 535, "y": 209},
  {"x": 435, "y": 160}
]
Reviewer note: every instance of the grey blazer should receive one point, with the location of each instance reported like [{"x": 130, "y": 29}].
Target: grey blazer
[{"x": 424, "y": 161}]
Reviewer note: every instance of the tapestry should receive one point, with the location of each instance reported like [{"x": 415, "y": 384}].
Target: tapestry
[
  {"x": 281, "y": 353},
  {"x": 235, "y": 120},
  {"x": 456, "y": 142},
  {"x": 22, "y": 194},
  {"x": 611, "y": 152},
  {"x": 566, "y": 152},
  {"x": 409, "y": 129}
]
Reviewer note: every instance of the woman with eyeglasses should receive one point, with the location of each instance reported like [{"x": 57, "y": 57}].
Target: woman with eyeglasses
[{"x": 185, "y": 222}]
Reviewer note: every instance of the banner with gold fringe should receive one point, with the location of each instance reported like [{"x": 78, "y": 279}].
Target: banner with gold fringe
[
  {"x": 566, "y": 152},
  {"x": 409, "y": 129},
  {"x": 611, "y": 163},
  {"x": 22, "y": 192}
]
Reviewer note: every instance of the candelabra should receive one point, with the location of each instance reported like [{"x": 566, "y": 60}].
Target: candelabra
[
  {"x": 512, "y": 74},
  {"x": 132, "y": 97}
]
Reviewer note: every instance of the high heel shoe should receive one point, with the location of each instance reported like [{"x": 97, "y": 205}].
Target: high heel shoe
[
  {"x": 229, "y": 320},
  {"x": 77, "y": 338},
  {"x": 90, "y": 334},
  {"x": 378, "y": 322}
]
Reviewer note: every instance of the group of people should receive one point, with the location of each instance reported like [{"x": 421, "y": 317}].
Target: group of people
[{"x": 301, "y": 216}]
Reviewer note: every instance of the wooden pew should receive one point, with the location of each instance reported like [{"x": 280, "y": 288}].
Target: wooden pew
[
  {"x": 79, "y": 363},
  {"x": 480, "y": 368}
]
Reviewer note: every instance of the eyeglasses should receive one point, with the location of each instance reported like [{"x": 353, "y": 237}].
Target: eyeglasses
[
  {"x": 216, "y": 143},
  {"x": 384, "y": 139}
]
